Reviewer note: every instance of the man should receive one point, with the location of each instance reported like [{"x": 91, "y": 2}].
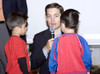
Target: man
[
  {"x": 43, "y": 42},
  {"x": 6, "y": 7}
]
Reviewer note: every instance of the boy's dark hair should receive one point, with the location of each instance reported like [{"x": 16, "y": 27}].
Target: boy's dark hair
[
  {"x": 54, "y": 5},
  {"x": 16, "y": 19},
  {"x": 70, "y": 18}
]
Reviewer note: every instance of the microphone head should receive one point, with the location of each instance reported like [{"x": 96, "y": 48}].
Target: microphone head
[{"x": 51, "y": 29}]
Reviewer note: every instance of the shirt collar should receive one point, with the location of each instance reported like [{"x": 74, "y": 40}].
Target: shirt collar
[{"x": 60, "y": 33}]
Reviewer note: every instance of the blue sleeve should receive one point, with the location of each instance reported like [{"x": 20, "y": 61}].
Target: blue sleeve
[
  {"x": 86, "y": 54},
  {"x": 52, "y": 61},
  {"x": 45, "y": 53}
]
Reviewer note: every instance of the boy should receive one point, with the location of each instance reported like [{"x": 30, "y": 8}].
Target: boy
[
  {"x": 15, "y": 48},
  {"x": 70, "y": 53}
]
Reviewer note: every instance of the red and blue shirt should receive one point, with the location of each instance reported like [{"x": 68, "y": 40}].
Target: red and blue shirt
[{"x": 70, "y": 54}]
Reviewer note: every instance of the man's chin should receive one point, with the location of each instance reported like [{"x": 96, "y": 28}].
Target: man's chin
[{"x": 57, "y": 27}]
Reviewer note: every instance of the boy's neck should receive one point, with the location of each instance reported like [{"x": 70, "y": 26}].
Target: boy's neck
[
  {"x": 69, "y": 31},
  {"x": 15, "y": 34}
]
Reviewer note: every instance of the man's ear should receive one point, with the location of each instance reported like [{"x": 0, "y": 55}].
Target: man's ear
[{"x": 46, "y": 18}]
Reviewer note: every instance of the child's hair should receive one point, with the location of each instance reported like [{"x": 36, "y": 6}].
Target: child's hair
[
  {"x": 16, "y": 19},
  {"x": 70, "y": 18}
]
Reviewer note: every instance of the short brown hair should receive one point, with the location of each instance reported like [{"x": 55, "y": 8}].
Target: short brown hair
[
  {"x": 54, "y": 5},
  {"x": 16, "y": 19}
]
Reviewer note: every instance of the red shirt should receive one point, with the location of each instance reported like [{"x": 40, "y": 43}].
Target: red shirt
[
  {"x": 70, "y": 56},
  {"x": 15, "y": 48}
]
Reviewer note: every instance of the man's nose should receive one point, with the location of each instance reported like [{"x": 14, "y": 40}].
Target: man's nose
[{"x": 52, "y": 19}]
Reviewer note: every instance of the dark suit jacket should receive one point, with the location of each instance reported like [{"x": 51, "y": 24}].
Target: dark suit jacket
[
  {"x": 14, "y": 6},
  {"x": 37, "y": 57}
]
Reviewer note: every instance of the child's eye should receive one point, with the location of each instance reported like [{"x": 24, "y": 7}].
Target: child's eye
[{"x": 26, "y": 24}]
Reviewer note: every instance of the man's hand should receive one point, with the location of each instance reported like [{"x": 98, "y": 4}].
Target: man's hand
[{"x": 49, "y": 44}]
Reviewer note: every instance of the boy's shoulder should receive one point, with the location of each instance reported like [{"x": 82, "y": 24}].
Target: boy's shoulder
[{"x": 15, "y": 39}]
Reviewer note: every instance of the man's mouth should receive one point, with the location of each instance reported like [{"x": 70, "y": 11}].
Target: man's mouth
[{"x": 53, "y": 24}]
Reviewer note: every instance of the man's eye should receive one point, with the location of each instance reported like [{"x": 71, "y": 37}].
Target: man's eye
[{"x": 57, "y": 16}]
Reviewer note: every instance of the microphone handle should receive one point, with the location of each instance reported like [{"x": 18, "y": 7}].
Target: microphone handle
[{"x": 52, "y": 35}]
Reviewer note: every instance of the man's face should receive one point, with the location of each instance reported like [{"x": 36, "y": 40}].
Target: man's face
[{"x": 53, "y": 17}]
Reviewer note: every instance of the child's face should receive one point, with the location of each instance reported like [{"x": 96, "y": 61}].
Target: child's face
[{"x": 23, "y": 29}]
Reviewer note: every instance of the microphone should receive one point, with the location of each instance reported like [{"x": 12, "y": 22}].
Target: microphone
[{"x": 52, "y": 32}]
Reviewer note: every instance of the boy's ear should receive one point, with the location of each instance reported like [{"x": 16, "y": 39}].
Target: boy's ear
[
  {"x": 76, "y": 29},
  {"x": 17, "y": 28},
  {"x": 63, "y": 25},
  {"x": 77, "y": 26}
]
